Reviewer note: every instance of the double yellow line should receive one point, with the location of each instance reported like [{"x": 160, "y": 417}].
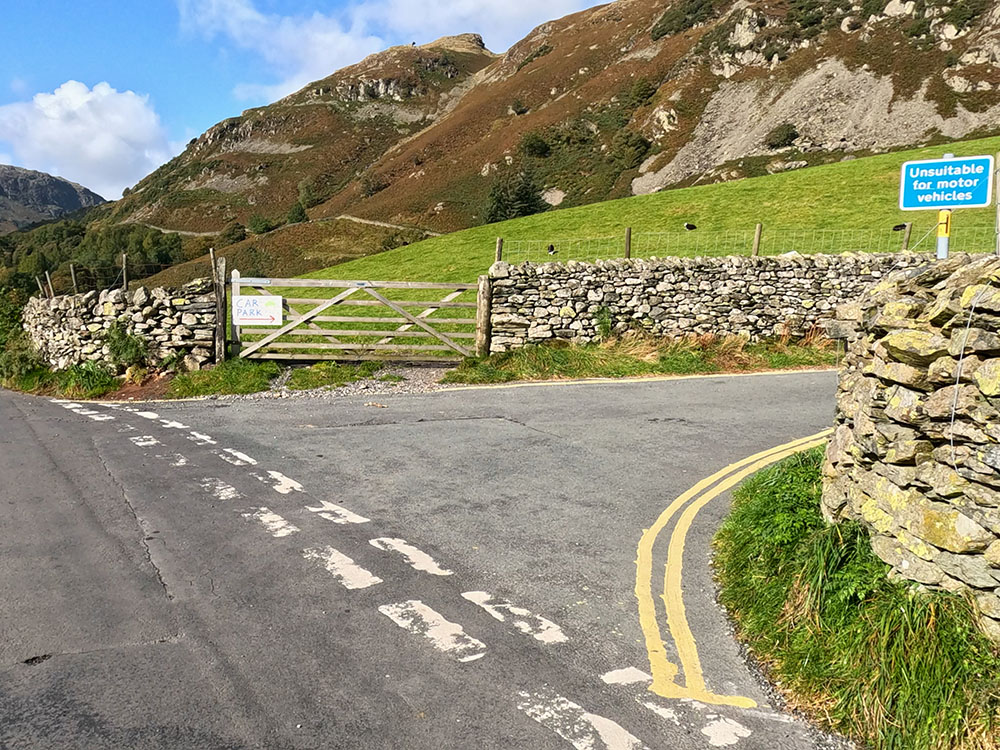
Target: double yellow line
[{"x": 665, "y": 673}]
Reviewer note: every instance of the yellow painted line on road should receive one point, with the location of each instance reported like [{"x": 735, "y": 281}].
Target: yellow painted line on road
[{"x": 664, "y": 671}]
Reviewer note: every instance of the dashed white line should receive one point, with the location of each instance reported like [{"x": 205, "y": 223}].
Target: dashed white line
[
  {"x": 337, "y": 514},
  {"x": 172, "y": 425},
  {"x": 145, "y": 441},
  {"x": 219, "y": 489},
  {"x": 627, "y": 676},
  {"x": 536, "y": 626},
  {"x": 275, "y": 524},
  {"x": 176, "y": 459},
  {"x": 415, "y": 558},
  {"x": 199, "y": 439},
  {"x": 448, "y": 637},
  {"x": 235, "y": 457},
  {"x": 344, "y": 569},
  {"x": 667, "y": 714},
  {"x": 583, "y": 730},
  {"x": 279, "y": 482},
  {"x": 148, "y": 414},
  {"x": 724, "y": 732}
]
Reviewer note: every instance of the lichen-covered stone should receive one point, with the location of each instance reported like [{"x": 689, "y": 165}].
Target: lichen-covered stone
[
  {"x": 947, "y": 528},
  {"x": 918, "y": 348}
]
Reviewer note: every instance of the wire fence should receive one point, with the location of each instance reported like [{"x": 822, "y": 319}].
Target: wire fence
[
  {"x": 696, "y": 242},
  {"x": 71, "y": 278}
]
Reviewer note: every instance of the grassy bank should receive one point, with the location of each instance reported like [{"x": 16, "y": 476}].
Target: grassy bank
[
  {"x": 846, "y": 198},
  {"x": 869, "y": 657},
  {"x": 238, "y": 377},
  {"x": 636, "y": 356}
]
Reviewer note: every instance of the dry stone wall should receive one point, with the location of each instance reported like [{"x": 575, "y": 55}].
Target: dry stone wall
[
  {"x": 744, "y": 296},
  {"x": 71, "y": 330},
  {"x": 916, "y": 452}
]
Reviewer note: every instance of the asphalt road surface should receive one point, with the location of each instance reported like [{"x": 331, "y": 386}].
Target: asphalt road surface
[{"x": 455, "y": 570}]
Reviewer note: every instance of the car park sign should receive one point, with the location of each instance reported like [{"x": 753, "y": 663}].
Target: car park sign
[{"x": 947, "y": 184}]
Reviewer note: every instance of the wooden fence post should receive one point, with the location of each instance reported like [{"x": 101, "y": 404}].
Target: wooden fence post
[
  {"x": 52, "y": 291},
  {"x": 72, "y": 274},
  {"x": 628, "y": 242},
  {"x": 756, "y": 239},
  {"x": 221, "y": 310},
  {"x": 41, "y": 288},
  {"x": 499, "y": 255},
  {"x": 124, "y": 272},
  {"x": 906, "y": 237},
  {"x": 484, "y": 316},
  {"x": 234, "y": 292}
]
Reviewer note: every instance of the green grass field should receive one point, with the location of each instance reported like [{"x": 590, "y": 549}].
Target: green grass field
[{"x": 849, "y": 205}]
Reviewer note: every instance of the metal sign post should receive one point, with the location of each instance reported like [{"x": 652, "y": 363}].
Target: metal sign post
[{"x": 943, "y": 234}]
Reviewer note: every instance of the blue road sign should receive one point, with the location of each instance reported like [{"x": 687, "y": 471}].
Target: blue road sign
[{"x": 966, "y": 182}]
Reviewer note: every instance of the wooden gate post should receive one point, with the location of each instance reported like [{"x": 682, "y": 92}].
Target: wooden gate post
[
  {"x": 499, "y": 253},
  {"x": 907, "y": 232},
  {"x": 484, "y": 313},
  {"x": 756, "y": 239},
  {"x": 221, "y": 309},
  {"x": 234, "y": 287},
  {"x": 124, "y": 272},
  {"x": 52, "y": 290},
  {"x": 628, "y": 242}
]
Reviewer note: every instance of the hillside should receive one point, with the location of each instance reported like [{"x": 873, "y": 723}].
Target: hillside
[
  {"x": 846, "y": 206},
  {"x": 622, "y": 99},
  {"x": 28, "y": 197}
]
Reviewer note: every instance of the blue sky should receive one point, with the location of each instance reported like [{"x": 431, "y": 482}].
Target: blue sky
[{"x": 104, "y": 91}]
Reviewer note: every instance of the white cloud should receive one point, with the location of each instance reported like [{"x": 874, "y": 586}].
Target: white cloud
[
  {"x": 101, "y": 138},
  {"x": 300, "y": 48},
  {"x": 18, "y": 85},
  {"x": 309, "y": 47}
]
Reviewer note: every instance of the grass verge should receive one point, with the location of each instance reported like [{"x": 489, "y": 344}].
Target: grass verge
[
  {"x": 871, "y": 658},
  {"x": 636, "y": 356},
  {"x": 86, "y": 381},
  {"x": 236, "y": 377}
]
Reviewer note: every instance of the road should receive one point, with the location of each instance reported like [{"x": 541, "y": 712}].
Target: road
[{"x": 455, "y": 570}]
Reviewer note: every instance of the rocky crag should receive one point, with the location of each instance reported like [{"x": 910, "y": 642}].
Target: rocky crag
[
  {"x": 916, "y": 452},
  {"x": 28, "y": 197},
  {"x": 629, "y": 97}
]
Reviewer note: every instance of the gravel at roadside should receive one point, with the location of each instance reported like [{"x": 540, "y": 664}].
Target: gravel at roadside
[{"x": 414, "y": 380}]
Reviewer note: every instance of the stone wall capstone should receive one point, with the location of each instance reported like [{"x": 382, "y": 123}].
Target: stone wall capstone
[
  {"x": 916, "y": 452},
  {"x": 743, "y": 296},
  {"x": 71, "y": 329}
]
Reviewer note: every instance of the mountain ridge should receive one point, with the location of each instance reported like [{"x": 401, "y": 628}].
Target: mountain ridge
[{"x": 30, "y": 197}]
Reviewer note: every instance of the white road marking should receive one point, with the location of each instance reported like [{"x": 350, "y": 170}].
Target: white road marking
[
  {"x": 583, "y": 730},
  {"x": 199, "y": 439},
  {"x": 171, "y": 425},
  {"x": 663, "y": 712},
  {"x": 145, "y": 441},
  {"x": 148, "y": 414},
  {"x": 337, "y": 514},
  {"x": 127, "y": 428},
  {"x": 59, "y": 401},
  {"x": 449, "y": 637},
  {"x": 415, "y": 558},
  {"x": 724, "y": 732},
  {"x": 279, "y": 482},
  {"x": 86, "y": 412},
  {"x": 536, "y": 626},
  {"x": 102, "y": 417},
  {"x": 176, "y": 460},
  {"x": 235, "y": 457},
  {"x": 344, "y": 569},
  {"x": 275, "y": 524},
  {"x": 219, "y": 489},
  {"x": 627, "y": 676}
]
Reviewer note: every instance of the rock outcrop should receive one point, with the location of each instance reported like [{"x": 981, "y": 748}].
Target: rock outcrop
[
  {"x": 28, "y": 197},
  {"x": 916, "y": 451}
]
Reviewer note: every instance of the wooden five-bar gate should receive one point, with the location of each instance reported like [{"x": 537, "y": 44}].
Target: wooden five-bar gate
[{"x": 351, "y": 321}]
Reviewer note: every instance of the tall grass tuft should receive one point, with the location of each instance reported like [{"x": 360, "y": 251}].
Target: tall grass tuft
[
  {"x": 875, "y": 659},
  {"x": 235, "y": 377}
]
